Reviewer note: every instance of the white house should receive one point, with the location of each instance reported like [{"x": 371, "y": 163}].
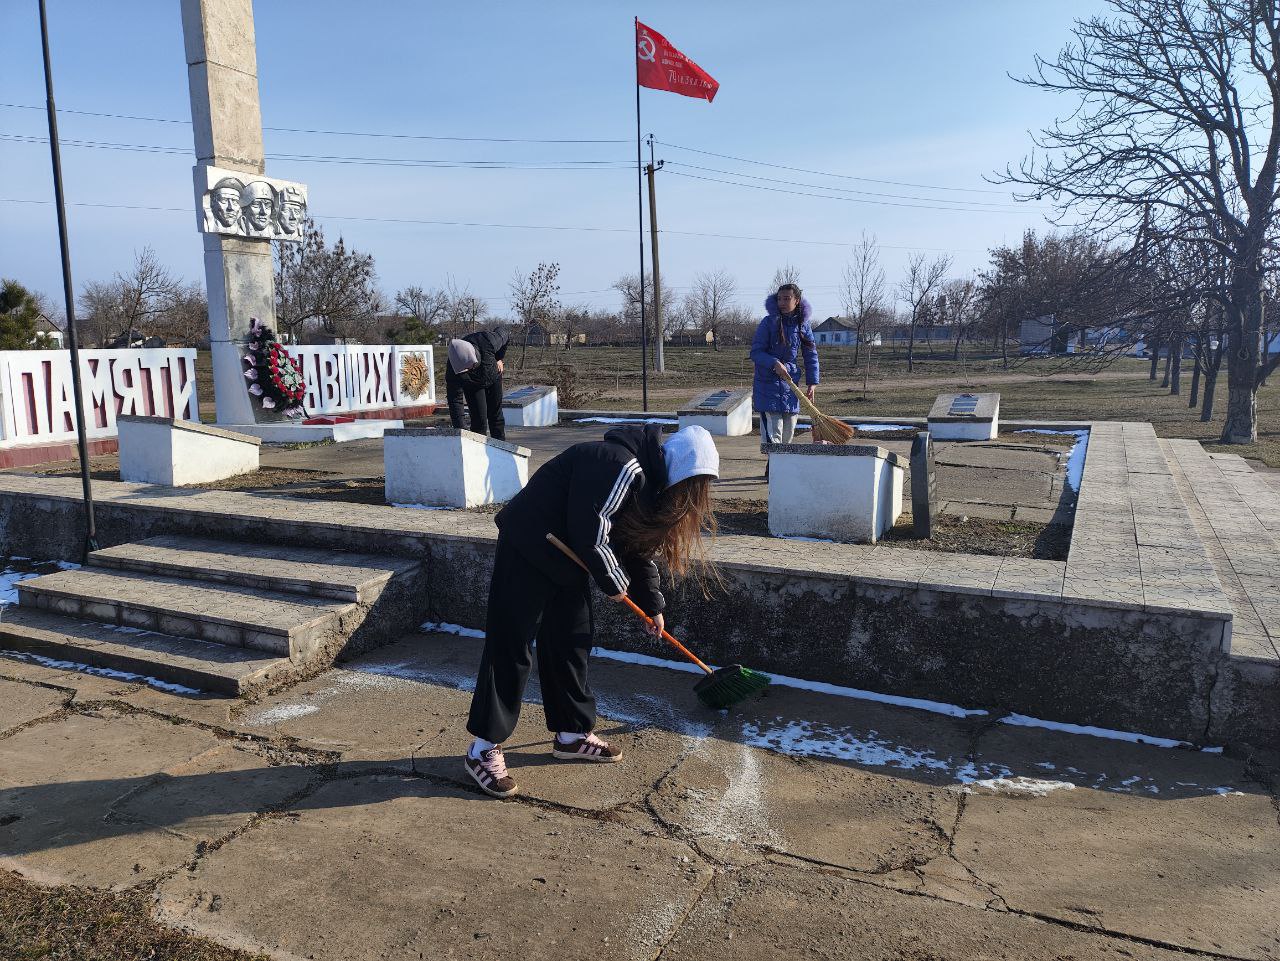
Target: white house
[{"x": 838, "y": 331}]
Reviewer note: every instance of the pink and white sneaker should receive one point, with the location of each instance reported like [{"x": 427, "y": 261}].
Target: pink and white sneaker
[
  {"x": 490, "y": 772},
  {"x": 588, "y": 748}
]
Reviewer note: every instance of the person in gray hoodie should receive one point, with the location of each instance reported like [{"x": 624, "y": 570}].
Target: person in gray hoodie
[{"x": 473, "y": 382}]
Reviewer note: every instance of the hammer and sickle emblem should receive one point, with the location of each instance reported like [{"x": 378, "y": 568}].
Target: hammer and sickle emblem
[{"x": 646, "y": 49}]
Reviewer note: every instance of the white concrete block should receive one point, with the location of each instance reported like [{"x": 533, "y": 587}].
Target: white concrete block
[
  {"x": 295, "y": 432},
  {"x": 725, "y": 413},
  {"x": 444, "y": 467},
  {"x": 849, "y": 493},
  {"x": 159, "y": 450},
  {"x": 533, "y": 406},
  {"x": 965, "y": 417}
]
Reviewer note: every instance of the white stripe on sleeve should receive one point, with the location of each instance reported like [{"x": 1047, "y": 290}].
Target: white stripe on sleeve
[{"x": 621, "y": 488}]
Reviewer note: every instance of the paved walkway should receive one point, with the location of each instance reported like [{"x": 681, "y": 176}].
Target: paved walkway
[
  {"x": 334, "y": 822},
  {"x": 1237, "y": 513}
]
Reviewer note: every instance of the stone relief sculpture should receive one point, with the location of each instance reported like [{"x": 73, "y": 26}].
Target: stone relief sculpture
[{"x": 239, "y": 205}]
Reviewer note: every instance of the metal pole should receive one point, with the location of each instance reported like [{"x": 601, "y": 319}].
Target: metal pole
[
  {"x": 659, "y": 357},
  {"x": 68, "y": 291},
  {"x": 644, "y": 328}
]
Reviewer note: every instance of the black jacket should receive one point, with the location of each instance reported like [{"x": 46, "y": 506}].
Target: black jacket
[
  {"x": 492, "y": 347},
  {"x": 577, "y": 495}
]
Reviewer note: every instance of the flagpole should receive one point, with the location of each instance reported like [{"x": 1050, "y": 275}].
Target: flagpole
[
  {"x": 644, "y": 332},
  {"x": 68, "y": 293}
]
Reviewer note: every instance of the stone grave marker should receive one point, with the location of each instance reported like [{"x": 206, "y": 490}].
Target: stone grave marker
[
  {"x": 965, "y": 417},
  {"x": 532, "y": 406},
  {"x": 924, "y": 487},
  {"x": 725, "y": 412}
]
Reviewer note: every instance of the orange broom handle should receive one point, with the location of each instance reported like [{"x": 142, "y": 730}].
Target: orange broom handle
[{"x": 568, "y": 552}]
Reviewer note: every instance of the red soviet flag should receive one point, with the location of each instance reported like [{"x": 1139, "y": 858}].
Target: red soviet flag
[{"x": 661, "y": 66}]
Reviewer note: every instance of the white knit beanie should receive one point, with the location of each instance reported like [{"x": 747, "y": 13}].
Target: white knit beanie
[{"x": 690, "y": 452}]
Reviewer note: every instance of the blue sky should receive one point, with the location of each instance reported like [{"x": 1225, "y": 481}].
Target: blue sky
[{"x": 914, "y": 93}]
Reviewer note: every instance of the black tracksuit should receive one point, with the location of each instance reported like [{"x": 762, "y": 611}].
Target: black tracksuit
[
  {"x": 479, "y": 391},
  {"x": 538, "y": 592}
]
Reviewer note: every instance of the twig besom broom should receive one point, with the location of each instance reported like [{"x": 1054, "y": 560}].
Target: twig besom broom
[
  {"x": 824, "y": 428},
  {"x": 722, "y": 687}
]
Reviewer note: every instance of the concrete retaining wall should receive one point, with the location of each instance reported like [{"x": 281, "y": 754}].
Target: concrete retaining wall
[{"x": 788, "y": 609}]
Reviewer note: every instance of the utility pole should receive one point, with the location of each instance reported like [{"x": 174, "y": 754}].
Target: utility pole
[{"x": 659, "y": 360}]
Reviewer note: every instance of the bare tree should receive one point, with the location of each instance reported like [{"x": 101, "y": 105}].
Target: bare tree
[
  {"x": 535, "y": 299},
  {"x": 710, "y": 302},
  {"x": 786, "y": 274},
  {"x": 333, "y": 288},
  {"x": 464, "y": 311},
  {"x": 1177, "y": 114},
  {"x": 628, "y": 285},
  {"x": 862, "y": 290},
  {"x": 923, "y": 279},
  {"x": 145, "y": 293},
  {"x": 958, "y": 308},
  {"x": 423, "y": 310},
  {"x": 186, "y": 319}
]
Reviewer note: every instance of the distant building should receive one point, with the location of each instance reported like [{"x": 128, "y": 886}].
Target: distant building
[
  {"x": 838, "y": 331},
  {"x": 50, "y": 331},
  {"x": 1044, "y": 335}
]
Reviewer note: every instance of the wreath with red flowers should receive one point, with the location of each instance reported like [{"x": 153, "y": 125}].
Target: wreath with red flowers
[{"x": 273, "y": 375}]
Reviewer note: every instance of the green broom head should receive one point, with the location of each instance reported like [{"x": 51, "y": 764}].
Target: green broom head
[{"x": 730, "y": 685}]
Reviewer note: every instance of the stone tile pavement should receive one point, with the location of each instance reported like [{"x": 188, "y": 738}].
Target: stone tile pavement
[
  {"x": 333, "y": 821},
  {"x": 1237, "y": 514}
]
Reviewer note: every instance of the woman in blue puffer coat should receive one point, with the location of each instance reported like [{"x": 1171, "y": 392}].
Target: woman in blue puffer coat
[{"x": 780, "y": 340}]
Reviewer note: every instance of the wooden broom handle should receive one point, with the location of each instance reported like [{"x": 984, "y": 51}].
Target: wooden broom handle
[{"x": 568, "y": 552}]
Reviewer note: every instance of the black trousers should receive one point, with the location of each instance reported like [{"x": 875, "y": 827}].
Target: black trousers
[
  {"x": 483, "y": 404},
  {"x": 523, "y": 604}
]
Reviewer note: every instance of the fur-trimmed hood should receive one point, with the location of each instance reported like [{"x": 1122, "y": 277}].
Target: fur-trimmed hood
[{"x": 771, "y": 306}]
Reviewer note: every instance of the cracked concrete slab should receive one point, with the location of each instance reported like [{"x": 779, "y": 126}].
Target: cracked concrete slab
[
  {"x": 784, "y": 912},
  {"x": 1174, "y": 846},
  {"x": 112, "y": 800},
  {"x": 360, "y": 870},
  {"x": 21, "y": 703},
  {"x": 837, "y": 780}
]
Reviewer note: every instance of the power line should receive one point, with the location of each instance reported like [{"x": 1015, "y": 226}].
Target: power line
[
  {"x": 851, "y": 200},
  {"x": 329, "y": 133},
  {"x": 847, "y": 190},
  {"x": 824, "y": 173},
  {"x": 556, "y": 227},
  {"x": 338, "y": 159}
]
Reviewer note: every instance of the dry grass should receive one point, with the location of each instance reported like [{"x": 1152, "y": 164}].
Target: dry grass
[
  {"x": 1035, "y": 389},
  {"x": 76, "y": 924}
]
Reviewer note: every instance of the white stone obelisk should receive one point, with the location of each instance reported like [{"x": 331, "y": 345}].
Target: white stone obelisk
[{"x": 222, "y": 70}]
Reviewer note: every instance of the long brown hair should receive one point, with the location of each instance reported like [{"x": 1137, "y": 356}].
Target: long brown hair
[{"x": 673, "y": 529}]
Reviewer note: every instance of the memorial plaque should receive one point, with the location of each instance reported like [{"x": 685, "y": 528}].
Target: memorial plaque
[
  {"x": 715, "y": 400},
  {"x": 924, "y": 489},
  {"x": 964, "y": 405},
  {"x": 522, "y": 393}
]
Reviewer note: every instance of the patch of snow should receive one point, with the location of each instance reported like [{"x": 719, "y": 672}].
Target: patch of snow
[
  {"x": 1019, "y": 785},
  {"x": 628, "y": 420},
  {"x": 281, "y": 712},
  {"x": 1021, "y": 720},
  {"x": 107, "y": 672},
  {"x": 875, "y": 427},
  {"x": 1211, "y": 750},
  {"x": 9, "y": 578},
  {"x": 439, "y": 627},
  {"x": 1075, "y": 459},
  {"x": 360, "y": 675},
  {"x": 422, "y": 507},
  {"x": 811, "y": 540},
  {"x": 808, "y": 739}
]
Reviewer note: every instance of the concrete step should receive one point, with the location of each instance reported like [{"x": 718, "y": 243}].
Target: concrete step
[
  {"x": 270, "y": 567},
  {"x": 214, "y": 668},
  {"x": 288, "y": 625}
]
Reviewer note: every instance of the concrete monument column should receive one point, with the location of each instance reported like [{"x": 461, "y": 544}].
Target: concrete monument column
[{"x": 222, "y": 71}]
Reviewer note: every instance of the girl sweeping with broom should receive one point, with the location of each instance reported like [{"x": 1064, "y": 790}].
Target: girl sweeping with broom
[
  {"x": 782, "y": 337},
  {"x": 617, "y": 504}
]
